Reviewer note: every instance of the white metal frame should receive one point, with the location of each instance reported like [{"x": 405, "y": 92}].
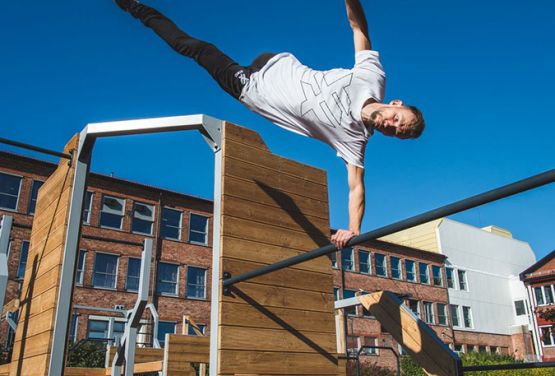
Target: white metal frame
[
  {"x": 210, "y": 128},
  {"x": 5, "y": 231}
]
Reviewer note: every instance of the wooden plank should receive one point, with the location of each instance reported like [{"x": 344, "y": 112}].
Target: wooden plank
[
  {"x": 269, "y": 178},
  {"x": 285, "y": 341},
  {"x": 243, "y": 249},
  {"x": 249, "y": 190},
  {"x": 423, "y": 345},
  {"x": 243, "y": 135},
  {"x": 53, "y": 194},
  {"x": 253, "y": 211},
  {"x": 76, "y": 371},
  {"x": 293, "y": 278},
  {"x": 148, "y": 367},
  {"x": 30, "y": 366},
  {"x": 267, "y": 234},
  {"x": 277, "y": 318},
  {"x": 36, "y": 345},
  {"x": 263, "y": 158},
  {"x": 142, "y": 354},
  {"x": 11, "y": 306},
  {"x": 36, "y": 325},
  {"x": 280, "y": 297},
  {"x": 48, "y": 224},
  {"x": 275, "y": 363}
]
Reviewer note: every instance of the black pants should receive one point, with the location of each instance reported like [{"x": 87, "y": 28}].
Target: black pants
[{"x": 231, "y": 76}]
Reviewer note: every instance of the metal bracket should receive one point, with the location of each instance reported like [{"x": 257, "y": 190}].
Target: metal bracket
[{"x": 226, "y": 290}]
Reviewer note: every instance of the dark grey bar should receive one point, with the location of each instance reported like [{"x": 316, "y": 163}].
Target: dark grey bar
[
  {"x": 34, "y": 148},
  {"x": 494, "y": 367},
  {"x": 444, "y": 211}
]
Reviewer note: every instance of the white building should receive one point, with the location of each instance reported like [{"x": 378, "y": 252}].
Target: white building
[{"x": 488, "y": 302}]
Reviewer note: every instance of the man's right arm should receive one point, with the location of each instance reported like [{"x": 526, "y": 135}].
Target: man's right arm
[{"x": 358, "y": 23}]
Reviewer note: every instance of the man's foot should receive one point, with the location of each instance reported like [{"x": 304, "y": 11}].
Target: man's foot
[{"x": 127, "y": 5}]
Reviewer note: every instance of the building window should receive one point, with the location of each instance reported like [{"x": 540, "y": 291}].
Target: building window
[
  {"x": 73, "y": 328},
  {"x": 436, "y": 275},
  {"x": 410, "y": 270},
  {"x": 463, "y": 286},
  {"x": 450, "y": 278},
  {"x": 364, "y": 262},
  {"x": 196, "y": 283},
  {"x": 539, "y": 296},
  {"x": 335, "y": 294},
  {"x": 167, "y": 278},
  {"x": 351, "y": 311},
  {"x": 455, "y": 315},
  {"x": 470, "y": 348},
  {"x": 493, "y": 349},
  {"x": 133, "y": 274},
  {"x": 10, "y": 186},
  {"x": 87, "y": 208},
  {"x": 482, "y": 349},
  {"x": 105, "y": 270},
  {"x": 458, "y": 348},
  {"x": 333, "y": 258},
  {"x": 143, "y": 218},
  {"x": 192, "y": 332},
  {"x": 441, "y": 314},
  {"x": 34, "y": 192},
  {"x": 347, "y": 259},
  {"x": 23, "y": 254},
  {"x": 80, "y": 267},
  {"x": 396, "y": 272},
  {"x": 370, "y": 341},
  {"x": 429, "y": 312},
  {"x": 414, "y": 307},
  {"x": 548, "y": 294},
  {"x": 98, "y": 329},
  {"x": 381, "y": 265},
  {"x": 198, "y": 229},
  {"x": 467, "y": 316},
  {"x": 165, "y": 327},
  {"x": 424, "y": 274},
  {"x": 171, "y": 224},
  {"x": 111, "y": 214},
  {"x": 352, "y": 345},
  {"x": 520, "y": 308}
]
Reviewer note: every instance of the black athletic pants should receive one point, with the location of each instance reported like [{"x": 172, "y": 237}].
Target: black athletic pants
[{"x": 231, "y": 76}]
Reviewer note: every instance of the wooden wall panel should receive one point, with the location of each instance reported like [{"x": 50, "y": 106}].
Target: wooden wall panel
[
  {"x": 32, "y": 345},
  {"x": 273, "y": 208}
]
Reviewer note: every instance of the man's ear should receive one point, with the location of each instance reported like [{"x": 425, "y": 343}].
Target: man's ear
[{"x": 396, "y": 102}]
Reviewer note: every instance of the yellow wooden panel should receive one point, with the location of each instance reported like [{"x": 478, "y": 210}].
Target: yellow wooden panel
[
  {"x": 243, "y": 135},
  {"x": 423, "y": 345},
  {"x": 75, "y": 371},
  {"x": 34, "y": 366},
  {"x": 36, "y": 345}
]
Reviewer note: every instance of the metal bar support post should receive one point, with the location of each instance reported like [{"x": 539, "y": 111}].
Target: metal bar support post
[
  {"x": 5, "y": 231},
  {"x": 444, "y": 211}
]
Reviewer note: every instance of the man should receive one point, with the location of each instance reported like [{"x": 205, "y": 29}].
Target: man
[{"x": 341, "y": 107}]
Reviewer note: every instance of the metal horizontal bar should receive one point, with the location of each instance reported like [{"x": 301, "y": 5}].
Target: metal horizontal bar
[
  {"x": 444, "y": 211},
  {"x": 34, "y": 148},
  {"x": 345, "y": 303},
  {"x": 494, "y": 367}
]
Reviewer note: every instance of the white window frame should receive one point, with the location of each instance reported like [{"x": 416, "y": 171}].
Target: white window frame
[
  {"x": 418, "y": 309},
  {"x": 88, "y": 210},
  {"x": 429, "y": 315},
  {"x": 464, "y": 280},
  {"x": 117, "y": 271},
  {"x": 19, "y": 261},
  {"x": 80, "y": 281},
  {"x": 441, "y": 282},
  {"x": 205, "y": 283},
  {"x": 207, "y": 228},
  {"x": 369, "y": 272},
  {"x": 453, "y": 275},
  {"x": 138, "y": 216},
  {"x": 456, "y": 310},
  {"x": 127, "y": 273},
  {"x": 399, "y": 267},
  {"x": 31, "y": 196},
  {"x": 369, "y": 352},
  {"x": 176, "y": 281},
  {"x": 18, "y": 192},
  {"x": 414, "y": 272},
  {"x": 114, "y": 212},
  {"x": 162, "y": 342},
  {"x": 199, "y": 324},
  {"x": 427, "y": 273},
  {"x": 180, "y": 223},
  {"x": 469, "y": 316},
  {"x": 523, "y": 304},
  {"x": 438, "y": 306},
  {"x": 75, "y": 331},
  {"x": 351, "y": 259},
  {"x": 385, "y": 267}
]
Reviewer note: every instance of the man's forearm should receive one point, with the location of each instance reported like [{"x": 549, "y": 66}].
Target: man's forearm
[
  {"x": 355, "y": 14},
  {"x": 356, "y": 208}
]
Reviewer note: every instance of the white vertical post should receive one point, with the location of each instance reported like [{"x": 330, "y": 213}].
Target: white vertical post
[{"x": 5, "y": 231}]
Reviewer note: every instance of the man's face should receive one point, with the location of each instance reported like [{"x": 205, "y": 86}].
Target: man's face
[{"x": 393, "y": 119}]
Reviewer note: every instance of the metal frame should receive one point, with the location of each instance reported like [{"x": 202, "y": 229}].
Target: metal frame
[
  {"x": 209, "y": 127},
  {"x": 5, "y": 231},
  {"x": 35, "y": 148},
  {"x": 444, "y": 211}
]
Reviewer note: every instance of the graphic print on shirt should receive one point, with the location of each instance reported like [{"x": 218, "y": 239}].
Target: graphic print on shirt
[{"x": 332, "y": 106}]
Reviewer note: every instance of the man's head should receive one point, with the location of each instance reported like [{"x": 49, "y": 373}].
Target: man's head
[{"x": 396, "y": 119}]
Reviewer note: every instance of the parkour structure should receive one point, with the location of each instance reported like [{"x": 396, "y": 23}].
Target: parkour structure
[{"x": 272, "y": 308}]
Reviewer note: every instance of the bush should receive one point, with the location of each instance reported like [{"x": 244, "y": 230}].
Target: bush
[
  {"x": 89, "y": 354},
  {"x": 410, "y": 368},
  {"x": 369, "y": 369},
  {"x": 482, "y": 359}
]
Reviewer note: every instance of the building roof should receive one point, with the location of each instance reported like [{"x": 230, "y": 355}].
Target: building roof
[{"x": 532, "y": 272}]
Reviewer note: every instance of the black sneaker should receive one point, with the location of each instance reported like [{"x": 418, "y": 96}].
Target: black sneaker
[{"x": 127, "y": 5}]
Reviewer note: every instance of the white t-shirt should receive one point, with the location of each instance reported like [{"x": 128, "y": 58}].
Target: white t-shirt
[{"x": 325, "y": 105}]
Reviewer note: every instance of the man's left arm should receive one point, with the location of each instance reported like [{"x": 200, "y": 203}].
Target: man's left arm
[{"x": 355, "y": 177}]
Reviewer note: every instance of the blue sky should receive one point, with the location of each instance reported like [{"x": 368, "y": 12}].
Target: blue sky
[{"x": 482, "y": 73}]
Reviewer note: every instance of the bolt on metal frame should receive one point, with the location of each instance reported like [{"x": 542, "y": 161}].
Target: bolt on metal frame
[
  {"x": 209, "y": 127},
  {"x": 444, "y": 211}
]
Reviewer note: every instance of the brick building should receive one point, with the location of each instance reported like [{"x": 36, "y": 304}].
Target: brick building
[
  {"x": 119, "y": 214},
  {"x": 540, "y": 283}
]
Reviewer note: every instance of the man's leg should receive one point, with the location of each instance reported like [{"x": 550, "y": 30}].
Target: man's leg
[{"x": 227, "y": 73}]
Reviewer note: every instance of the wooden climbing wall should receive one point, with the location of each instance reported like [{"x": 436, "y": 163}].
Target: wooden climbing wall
[
  {"x": 273, "y": 208},
  {"x": 39, "y": 293}
]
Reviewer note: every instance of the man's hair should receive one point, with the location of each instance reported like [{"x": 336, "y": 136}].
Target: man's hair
[{"x": 418, "y": 125}]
